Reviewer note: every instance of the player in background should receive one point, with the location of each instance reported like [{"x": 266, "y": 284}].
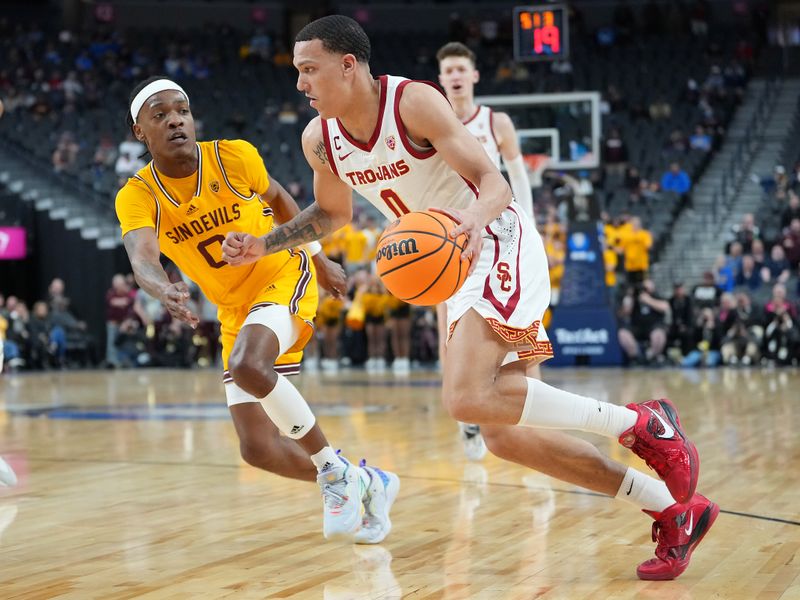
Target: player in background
[
  {"x": 182, "y": 204},
  {"x": 496, "y": 133},
  {"x": 399, "y": 144}
]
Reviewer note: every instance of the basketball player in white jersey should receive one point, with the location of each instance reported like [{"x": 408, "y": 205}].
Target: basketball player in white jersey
[
  {"x": 497, "y": 135},
  {"x": 399, "y": 144}
]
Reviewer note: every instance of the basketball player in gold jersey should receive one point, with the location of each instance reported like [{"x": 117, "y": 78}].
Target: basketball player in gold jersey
[
  {"x": 182, "y": 204},
  {"x": 496, "y": 133},
  {"x": 364, "y": 124}
]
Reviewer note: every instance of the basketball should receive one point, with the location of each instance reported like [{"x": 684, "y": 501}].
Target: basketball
[{"x": 418, "y": 261}]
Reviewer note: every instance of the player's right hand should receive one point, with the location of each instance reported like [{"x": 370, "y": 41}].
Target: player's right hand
[
  {"x": 175, "y": 299},
  {"x": 241, "y": 248}
]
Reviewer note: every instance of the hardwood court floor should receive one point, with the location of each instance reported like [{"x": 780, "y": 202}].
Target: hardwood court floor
[{"x": 132, "y": 487}]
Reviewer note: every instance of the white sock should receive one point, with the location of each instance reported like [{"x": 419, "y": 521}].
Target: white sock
[
  {"x": 552, "y": 408},
  {"x": 326, "y": 459},
  {"x": 644, "y": 492}
]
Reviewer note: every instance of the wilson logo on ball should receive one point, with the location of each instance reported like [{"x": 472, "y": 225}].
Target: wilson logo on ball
[{"x": 401, "y": 248}]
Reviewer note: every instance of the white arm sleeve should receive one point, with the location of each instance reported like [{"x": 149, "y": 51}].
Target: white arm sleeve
[{"x": 520, "y": 184}]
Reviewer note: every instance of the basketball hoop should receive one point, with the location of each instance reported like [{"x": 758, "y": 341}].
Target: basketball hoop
[{"x": 536, "y": 164}]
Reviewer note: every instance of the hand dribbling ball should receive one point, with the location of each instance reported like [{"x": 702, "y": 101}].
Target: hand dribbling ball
[{"x": 418, "y": 261}]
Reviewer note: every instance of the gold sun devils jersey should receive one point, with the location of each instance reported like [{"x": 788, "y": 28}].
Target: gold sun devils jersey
[{"x": 192, "y": 215}]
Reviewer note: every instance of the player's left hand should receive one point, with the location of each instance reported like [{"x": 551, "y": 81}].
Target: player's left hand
[
  {"x": 331, "y": 276},
  {"x": 241, "y": 248},
  {"x": 470, "y": 223}
]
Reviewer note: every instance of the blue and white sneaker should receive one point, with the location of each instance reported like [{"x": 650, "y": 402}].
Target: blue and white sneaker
[
  {"x": 381, "y": 494},
  {"x": 342, "y": 490}
]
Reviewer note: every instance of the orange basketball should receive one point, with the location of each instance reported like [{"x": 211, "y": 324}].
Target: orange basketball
[{"x": 418, "y": 261}]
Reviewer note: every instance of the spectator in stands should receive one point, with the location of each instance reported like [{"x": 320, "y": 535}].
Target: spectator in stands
[
  {"x": 399, "y": 326},
  {"x": 55, "y": 291},
  {"x": 746, "y": 232},
  {"x": 17, "y": 335},
  {"x": 676, "y": 180},
  {"x": 130, "y": 344},
  {"x": 42, "y": 347},
  {"x": 776, "y": 268},
  {"x": 287, "y": 114},
  {"x": 73, "y": 88},
  {"x": 375, "y": 301},
  {"x": 615, "y": 153},
  {"x": 105, "y": 155},
  {"x": 724, "y": 274},
  {"x": 130, "y": 146},
  {"x": 677, "y": 144},
  {"x": 752, "y": 315},
  {"x": 355, "y": 249},
  {"x": 680, "y": 330},
  {"x": 66, "y": 153},
  {"x": 792, "y": 210},
  {"x": 758, "y": 254},
  {"x": 791, "y": 243},
  {"x": 329, "y": 322},
  {"x": 127, "y": 165},
  {"x": 781, "y": 337},
  {"x": 646, "y": 314},
  {"x": 700, "y": 140},
  {"x": 727, "y": 313},
  {"x": 74, "y": 331},
  {"x": 748, "y": 275},
  {"x": 636, "y": 246},
  {"x": 734, "y": 257},
  {"x": 119, "y": 307},
  {"x": 707, "y": 341},
  {"x": 739, "y": 346},
  {"x": 779, "y": 301},
  {"x": 706, "y": 294},
  {"x": 14, "y": 100},
  {"x": 260, "y": 46}
]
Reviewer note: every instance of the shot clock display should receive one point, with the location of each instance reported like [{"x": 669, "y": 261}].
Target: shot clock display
[{"x": 541, "y": 33}]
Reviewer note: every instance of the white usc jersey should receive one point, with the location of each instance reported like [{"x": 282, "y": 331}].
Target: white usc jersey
[
  {"x": 481, "y": 126},
  {"x": 390, "y": 171}
]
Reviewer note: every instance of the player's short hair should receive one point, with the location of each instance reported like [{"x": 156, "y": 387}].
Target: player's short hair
[
  {"x": 455, "y": 49},
  {"x": 139, "y": 87},
  {"x": 338, "y": 34}
]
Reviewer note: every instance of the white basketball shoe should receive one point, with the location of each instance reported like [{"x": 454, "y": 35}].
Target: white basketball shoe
[
  {"x": 7, "y": 476},
  {"x": 342, "y": 491},
  {"x": 381, "y": 494},
  {"x": 474, "y": 446}
]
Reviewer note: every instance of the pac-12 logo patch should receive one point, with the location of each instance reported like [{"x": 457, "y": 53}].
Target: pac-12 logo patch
[
  {"x": 390, "y": 142},
  {"x": 214, "y": 185}
]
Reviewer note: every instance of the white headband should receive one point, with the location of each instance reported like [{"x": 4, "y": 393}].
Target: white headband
[{"x": 151, "y": 89}]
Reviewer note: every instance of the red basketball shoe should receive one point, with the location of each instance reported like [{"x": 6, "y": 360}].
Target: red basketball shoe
[
  {"x": 677, "y": 531},
  {"x": 657, "y": 437}
]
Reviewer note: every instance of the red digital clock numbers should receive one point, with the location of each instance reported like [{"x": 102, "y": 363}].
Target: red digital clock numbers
[{"x": 540, "y": 33}]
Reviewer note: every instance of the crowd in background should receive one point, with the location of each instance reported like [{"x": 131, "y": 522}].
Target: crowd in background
[{"x": 743, "y": 312}]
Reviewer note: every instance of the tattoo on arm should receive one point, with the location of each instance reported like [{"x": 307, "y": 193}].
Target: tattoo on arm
[
  {"x": 311, "y": 224},
  {"x": 320, "y": 152}
]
